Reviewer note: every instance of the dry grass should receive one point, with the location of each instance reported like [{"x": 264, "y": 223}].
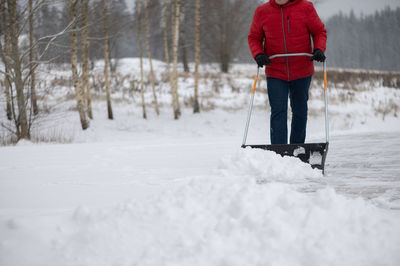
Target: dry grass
[
  {"x": 61, "y": 82},
  {"x": 7, "y": 139},
  {"x": 52, "y": 137},
  {"x": 126, "y": 87},
  {"x": 351, "y": 80},
  {"x": 386, "y": 108}
]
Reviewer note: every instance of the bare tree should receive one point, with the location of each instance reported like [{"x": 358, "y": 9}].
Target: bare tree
[
  {"x": 7, "y": 51},
  {"x": 196, "y": 106},
  {"x": 175, "y": 42},
  {"x": 74, "y": 62},
  {"x": 225, "y": 36},
  {"x": 183, "y": 38},
  {"x": 139, "y": 25},
  {"x": 21, "y": 119},
  {"x": 31, "y": 60},
  {"x": 85, "y": 58},
  {"x": 152, "y": 77},
  {"x": 165, "y": 34},
  {"x": 107, "y": 61},
  {"x": 173, "y": 10},
  {"x": 19, "y": 66}
]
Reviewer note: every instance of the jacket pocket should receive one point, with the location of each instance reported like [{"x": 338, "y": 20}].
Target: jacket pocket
[{"x": 288, "y": 25}]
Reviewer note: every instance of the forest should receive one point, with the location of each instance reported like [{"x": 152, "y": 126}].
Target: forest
[
  {"x": 46, "y": 34},
  {"x": 366, "y": 42},
  {"x": 363, "y": 42}
]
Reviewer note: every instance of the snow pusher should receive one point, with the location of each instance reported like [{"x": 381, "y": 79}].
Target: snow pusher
[{"x": 311, "y": 153}]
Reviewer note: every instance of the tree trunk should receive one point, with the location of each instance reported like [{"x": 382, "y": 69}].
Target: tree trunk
[
  {"x": 7, "y": 81},
  {"x": 196, "y": 106},
  {"x": 166, "y": 50},
  {"x": 107, "y": 62},
  {"x": 31, "y": 61},
  {"x": 74, "y": 62},
  {"x": 173, "y": 10},
  {"x": 85, "y": 58},
  {"x": 165, "y": 31},
  {"x": 139, "y": 14},
  {"x": 175, "y": 43},
  {"x": 22, "y": 121},
  {"x": 152, "y": 77},
  {"x": 225, "y": 62},
  {"x": 183, "y": 38}
]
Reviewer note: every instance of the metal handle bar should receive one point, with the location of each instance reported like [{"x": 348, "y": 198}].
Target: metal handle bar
[
  {"x": 295, "y": 54},
  {"x": 254, "y": 90},
  {"x": 286, "y": 55}
]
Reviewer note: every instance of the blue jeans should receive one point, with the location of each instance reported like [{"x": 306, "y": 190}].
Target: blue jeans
[{"x": 278, "y": 92}]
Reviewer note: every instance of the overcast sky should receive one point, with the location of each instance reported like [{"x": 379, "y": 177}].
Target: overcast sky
[{"x": 328, "y": 8}]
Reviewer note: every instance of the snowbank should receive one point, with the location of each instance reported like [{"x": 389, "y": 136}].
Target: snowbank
[{"x": 228, "y": 218}]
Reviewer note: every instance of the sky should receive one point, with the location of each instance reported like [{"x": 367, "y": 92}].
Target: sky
[{"x": 328, "y": 8}]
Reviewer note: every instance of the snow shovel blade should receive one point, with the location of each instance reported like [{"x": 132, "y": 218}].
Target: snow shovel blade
[{"x": 311, "y": 153}]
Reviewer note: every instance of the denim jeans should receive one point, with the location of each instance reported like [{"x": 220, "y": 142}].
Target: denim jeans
[{"x": 278, "y": 92}]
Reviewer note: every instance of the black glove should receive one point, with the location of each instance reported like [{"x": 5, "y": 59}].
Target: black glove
[
  {"x": 318, "y": 55},
  {"x": 262, "y": 60}
]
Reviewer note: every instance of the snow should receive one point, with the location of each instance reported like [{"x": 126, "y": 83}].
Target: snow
[
  {"x": 225, "y": 217},
  {"x": 298, "y": 151},
  {"x": 165, "y": 192},
  {"x": 315, "y": 158}
]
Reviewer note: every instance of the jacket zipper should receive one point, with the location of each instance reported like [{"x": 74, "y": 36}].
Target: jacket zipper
[
  {"x": 284, "y": 41},
  {"x": 288, "y": 27}
]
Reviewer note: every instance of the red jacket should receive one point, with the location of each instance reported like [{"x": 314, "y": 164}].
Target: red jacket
[{"x": 287, "y": 29}]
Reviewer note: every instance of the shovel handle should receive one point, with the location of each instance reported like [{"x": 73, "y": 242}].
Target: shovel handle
[
  {"x": 255, "y": 84},
  {"x": 325, "y": 78},
  {"x": 286, "y": 55},
  {"x": 303, "y": 54},
  {"x": 326, "y": 104},
  {"x": 246, "y": 129},
  {"x": 254, "y": 90}
]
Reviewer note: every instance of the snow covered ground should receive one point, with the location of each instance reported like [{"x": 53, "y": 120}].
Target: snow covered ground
[{"x": 166, "y": 192}]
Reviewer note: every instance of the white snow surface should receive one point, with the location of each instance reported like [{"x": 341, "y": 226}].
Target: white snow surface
[
  {"x": 165, "y": 192},
  {"x": 225, "y": 217}
]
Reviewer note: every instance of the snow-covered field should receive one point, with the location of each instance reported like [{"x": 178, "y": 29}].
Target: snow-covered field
[{"x": 165, "y": 192}]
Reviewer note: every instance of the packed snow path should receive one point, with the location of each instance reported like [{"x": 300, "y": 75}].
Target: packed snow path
[
  {"x": 366, "y": 165},
  {"x": 199, "y": 203}
]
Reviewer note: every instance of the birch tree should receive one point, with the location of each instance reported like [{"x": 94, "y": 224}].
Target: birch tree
[
  {"x": 165, "y": 34},
  {"x": 74, "y": 63},
  {"x": 85, "y": 58},
  {"x": 165, "y": 37},
  {"x": 196, "y": 106},
  {"x": 7, "y": 83},
  {"x": 21, "y": 119},
  {"x": 175, "y": 43},
  {"x": 19, "y": 66},
  {"x": 107, "y": 61},
  {"x": 31, "y": 60},
  {"x": 139, "y": 25},
  {"x": 173, "y": 10},
  {"x": 152, "y": 77},
  {"x": 182, "y": 37}
]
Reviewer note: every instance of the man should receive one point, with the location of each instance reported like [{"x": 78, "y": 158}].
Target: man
[{"x": 282, "y": 27}]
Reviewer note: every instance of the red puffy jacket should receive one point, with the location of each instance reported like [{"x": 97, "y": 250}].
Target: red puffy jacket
[{"x": 287, "y": 29}]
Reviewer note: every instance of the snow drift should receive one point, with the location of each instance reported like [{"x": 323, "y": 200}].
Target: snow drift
[{"x": 228, "y": 218}]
